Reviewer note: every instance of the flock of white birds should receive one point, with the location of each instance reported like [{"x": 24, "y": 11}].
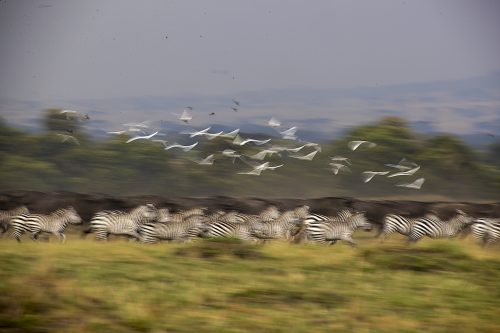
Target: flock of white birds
[{"x": 337, "y": 163}]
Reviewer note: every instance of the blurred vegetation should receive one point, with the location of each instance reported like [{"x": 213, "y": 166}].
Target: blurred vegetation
[
  {"x": 42, "y": 162},
  {"x": 434, "y": 286}
]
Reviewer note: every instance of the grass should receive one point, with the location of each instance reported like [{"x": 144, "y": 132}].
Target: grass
[{"x": 229, "y": 286}]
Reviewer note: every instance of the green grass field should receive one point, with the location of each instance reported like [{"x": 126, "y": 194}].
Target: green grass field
[{"x": 228, "y": 286}]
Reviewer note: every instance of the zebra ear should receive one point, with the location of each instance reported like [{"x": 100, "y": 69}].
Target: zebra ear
[
  {"x": 150, "y": 206},
  {"x": 461, "y": 212}
]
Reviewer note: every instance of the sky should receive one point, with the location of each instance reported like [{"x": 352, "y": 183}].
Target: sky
[{"x": 319, "y": 65}]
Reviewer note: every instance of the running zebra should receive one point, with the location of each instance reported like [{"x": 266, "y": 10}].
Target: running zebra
[
  {"x": 269, "y": 214},
  {"x": 6, "y": 215},
  {"x": 229, "y": 229},
  {"x": 436, "y": 228},
  {"x": 339, "y": 228},
  {"x": 400, "y": 224},
  {"x": 180, "y": 216},
  {"x": 184, "y": 230},
  {"x": 54, "y": 223},
  {"x": 283, "y": 227},
  {"x": 122, "y": 223},
  {"x": 486, "y": 230}
]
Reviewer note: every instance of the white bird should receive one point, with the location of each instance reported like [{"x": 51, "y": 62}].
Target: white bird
[
  {"x": 68, "y": 138},
  {"x": 307, "y": 157},
  {"x": 341, "y": 159},
  {"x": 72, "y": 114},
  {"x": 417, "y": 184},
  {"x": 289, "y": 134},
  {"x": 368, "y": 175},
  {"x": 259, "y": 168},
  {"x": 353, "y": 145},
  {"x": 117, "y": 132},
  {"x": 144, "y": 124},
  {"x": 231, "y": 153},
  {"x": 405, "y": 173},
  {"x": 186, "y": 116},
  {"x": 238, "y": 140},
  {"x": 142, "y": 137},
  {"x": 185, "y": 148},
  {"x": 198, "y": 133},
  {"x": 230, "y": 135},
  {"x": 401, "y": 165},
  {"x": 262, "y": 154},
  {"x": 209, "y": 160},
  {"x": 274, "y": 123},
  {"x": 336, "y": 167},
  {"x": 211, "y": 136}
]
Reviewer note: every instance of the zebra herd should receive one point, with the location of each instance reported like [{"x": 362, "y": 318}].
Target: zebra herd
[{"x": 150, "y": 225}]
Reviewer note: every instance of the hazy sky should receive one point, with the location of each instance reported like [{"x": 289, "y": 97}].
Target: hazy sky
[{"x": 340, "y": 61}]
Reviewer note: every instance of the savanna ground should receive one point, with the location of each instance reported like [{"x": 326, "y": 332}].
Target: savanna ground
[{"x": 229, "y": 286}]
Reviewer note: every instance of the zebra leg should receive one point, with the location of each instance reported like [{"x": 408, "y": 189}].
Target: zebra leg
[
  {"x": 34, "y": 235},
  {"x": 349, "y": 240},
  {"x": 61, "y": 236}
]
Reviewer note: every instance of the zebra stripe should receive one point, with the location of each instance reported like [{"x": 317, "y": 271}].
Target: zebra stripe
[
  {"x": 54, "y": 223},
  {"x": 222, "y": 228},
  {"x": 400, "y": 224},
  {"x": 282, "y": 227},
  {"x": 186, "y": 230},
  {"x": 122, "y": 223},
  {"x": 436, "y": 228},
  {"x": 486, "y": 230},
  {"x": 339, "y": 228},
  {"x": 6, "y": 215}
]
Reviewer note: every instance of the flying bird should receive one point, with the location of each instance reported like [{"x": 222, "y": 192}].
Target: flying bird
[
  {"x": 163, "y": 142},
  {"x": 405, "y": 173},
  {"x": 341, "y": 159},
  {"x": 236, "y": 102},
  {"x": 234, "y": 109},
  {"x": 368, "y": 175},
  {"x": 231, "y": 153},
  {"x": 289, "y": 133},
  {"x": 257, "y": 170},
  {"x": 209, "y": 160},
  {"x": 336, "y": 167},
  {"x": 274, "y": 123},
  {"x": 142, "y": 137},
  {"x": 211, "y": 114},
  {"x": 198, "y": 133},
  {"x": 186, "y": 116},
  {"x": 184, "y": 148},
  {"x": 353, "y": 145},
  {"x": 417, "y": 184},
  {"x": 262, "y": 154},
  {"x": 404, "y": 164},
  {"x": 68, "y": 138},
  {"x": 230, "y": 135},
  {"x": 307, "y": 157},
  {"x": 238, "y": 140},
  {"x": 144, "y": 124}
]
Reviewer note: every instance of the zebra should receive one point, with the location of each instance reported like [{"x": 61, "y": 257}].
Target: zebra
[
  {"x": 486, "y": 230},
  {"x": 6, "y": 215},
  {"x": 269, "y": 214},
  {"x": 230, "y": 229},
  {"x": 400, "y": 224},
  {"x": 312, "y": 219},
  {"x": 185, "y": 230},
  {"x": 122, "y": 223},
  {"x": 180, "y": 216},
  {"x": 54, "y": 223},
  {"x": 339, "y": 228},
  {"x": 282, "y": 227},
  {"x": 436, "y": 228}
]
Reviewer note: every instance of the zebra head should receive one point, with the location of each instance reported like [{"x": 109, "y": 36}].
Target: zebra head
[
  {"x": 270, "y": 213},
  {"x": 462, "y": 219},
  {"x": 358, "y": 220},
  {"x": 163, "y": 215},
  {"x": 302, "y": 212},
  {"x": 149, "y": 212},
  {"x": 72, "y": 215}
]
